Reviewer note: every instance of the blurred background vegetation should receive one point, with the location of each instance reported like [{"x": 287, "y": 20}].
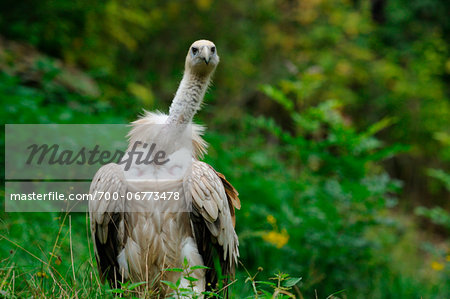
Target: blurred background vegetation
[{"x": 330, "y": 117}]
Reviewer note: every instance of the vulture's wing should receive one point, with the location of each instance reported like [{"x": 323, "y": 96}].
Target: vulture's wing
[
  {"x": 212, "y": 219},
  {"x": 107, "y": 220}
]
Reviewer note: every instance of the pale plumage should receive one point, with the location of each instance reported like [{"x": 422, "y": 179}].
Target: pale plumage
[{"x": 136, "y": 241}]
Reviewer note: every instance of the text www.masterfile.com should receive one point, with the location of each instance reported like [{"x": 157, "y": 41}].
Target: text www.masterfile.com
[{"x": 97, "y": 195}]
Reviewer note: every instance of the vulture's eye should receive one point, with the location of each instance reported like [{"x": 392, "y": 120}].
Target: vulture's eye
[
  {"x": 213, "y": 50},
  {"x": 194, "y": 50}
]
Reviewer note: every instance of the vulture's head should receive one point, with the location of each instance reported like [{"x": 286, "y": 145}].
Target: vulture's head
[{"x": 202, "y": 58}]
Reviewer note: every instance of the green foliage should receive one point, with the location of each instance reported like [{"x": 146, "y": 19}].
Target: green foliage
[
  {"x": 322, "y": 111},
  {"x": 391, "y": 61},
  {"x": 281, "y": 288},
  {"x": 437, "y": 215},
  {"x": 441, "y": 176},
  {"x": 180, "y": 291},
  {"x": 322, "y": 186}
]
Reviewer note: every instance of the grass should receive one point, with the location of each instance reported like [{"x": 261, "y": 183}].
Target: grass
[
  {"x": 65, "y": 267},
  {"x": 51, "y": 256},
  {"x": 52, "y": 270}
]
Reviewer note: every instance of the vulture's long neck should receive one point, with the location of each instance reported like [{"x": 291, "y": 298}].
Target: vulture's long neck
[{"x": 188, "y": 98}]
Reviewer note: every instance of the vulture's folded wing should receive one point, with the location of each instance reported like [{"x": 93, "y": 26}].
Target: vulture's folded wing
[
  {"x": 212, "y": 218},
  {"x": 106, "y": 211}
]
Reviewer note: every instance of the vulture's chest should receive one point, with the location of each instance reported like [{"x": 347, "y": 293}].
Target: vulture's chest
[{"x": 155, "y": 241}]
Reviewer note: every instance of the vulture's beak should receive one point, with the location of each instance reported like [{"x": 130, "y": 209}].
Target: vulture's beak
[{"x": 206, "y": 54}]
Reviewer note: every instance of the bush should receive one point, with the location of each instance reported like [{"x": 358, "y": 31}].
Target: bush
[{"x": 312, "y": 193}]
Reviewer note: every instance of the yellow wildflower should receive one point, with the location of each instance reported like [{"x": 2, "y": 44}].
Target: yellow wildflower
[
  {"x": 271, "y": 219},
  {"x": 42, "y": 274},
  {"x": 203, "y": 4},
  {"x": 447, "y": 258},
  {"x": 436, "y": 266},
  {"x": 58, "y": 261},
  {"x": 279, "y": 239}
]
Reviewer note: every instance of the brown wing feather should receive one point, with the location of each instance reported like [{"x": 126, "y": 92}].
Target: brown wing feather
[
  {"x": 106, "y": 218},
  {"x": 232, "y": 197},
  {"x": 212, "y": 220}
]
